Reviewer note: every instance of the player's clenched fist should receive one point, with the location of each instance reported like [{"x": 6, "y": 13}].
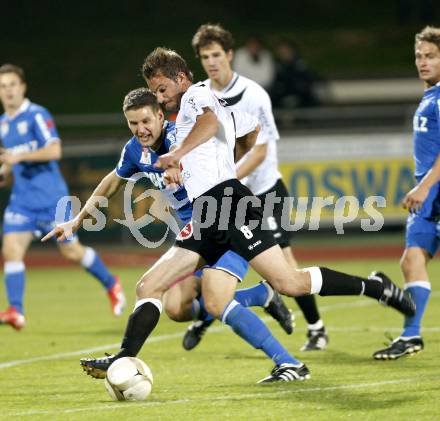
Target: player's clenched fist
[
  {"x": 414, "y": 199},
  {"x": 168, "y": 160}
]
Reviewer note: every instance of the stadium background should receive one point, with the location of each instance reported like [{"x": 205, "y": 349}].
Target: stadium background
[{"x": 81, "y": 60}]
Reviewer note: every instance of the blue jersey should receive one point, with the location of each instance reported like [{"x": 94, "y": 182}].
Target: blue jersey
[
  {"x": 37, "y": 185},
  {"x": 427, "y": 131},
  {"x": 137, "y": 159}
]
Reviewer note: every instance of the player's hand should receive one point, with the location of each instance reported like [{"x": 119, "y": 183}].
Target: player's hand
[
  {"x": 168, "y": 160},
  {"x": 414, "y": 199},
  {"x": 63, "y": 231},
  {"x": 172, "y": 178},
  {"x": 8, "y": 158}
]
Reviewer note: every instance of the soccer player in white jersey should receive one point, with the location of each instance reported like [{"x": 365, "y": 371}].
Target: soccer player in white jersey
[
  {"x": 31, "y": 150},
  {"x": 222, "y": 220},
  {"x": 152, "y": 137},
  {"x": 258, "y": 170}
]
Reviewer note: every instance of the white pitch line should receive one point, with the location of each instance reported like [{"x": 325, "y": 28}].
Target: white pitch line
[
  {"x": 8, "y": 364},
  {"x": 322, "y": 309},
  {"x": 160, "y": 338},
  {"x": 240, "y": 397}
]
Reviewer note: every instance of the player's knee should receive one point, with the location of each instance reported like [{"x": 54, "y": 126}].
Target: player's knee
[
  {"x": 410, "y": 262},
  {"x": 73, "y": 252},
  {"x": 11, "y": 252},
  {"x": 173, "y": 311},
  {"x": 147, "y": 288}
]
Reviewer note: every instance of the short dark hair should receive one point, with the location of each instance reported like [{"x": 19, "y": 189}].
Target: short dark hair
[
  {"x": 12, "y": 68},
  {"x": 165, "y": 62},
  {"x": 429, "y": 34},
  {"x": 139, "y": 98},
  {"x": 209, "y": 33}
]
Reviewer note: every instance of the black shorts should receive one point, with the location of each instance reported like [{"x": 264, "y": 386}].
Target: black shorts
[
  {"x": 222, "y": 234},
  {"x": 282, "y": 237}
]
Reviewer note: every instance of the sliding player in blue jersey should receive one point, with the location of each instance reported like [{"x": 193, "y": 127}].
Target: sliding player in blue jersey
[
  {"x": 423, "y": 201},
  {"x": 31, "y": 149},
  {"x": 154, "y": 137}
]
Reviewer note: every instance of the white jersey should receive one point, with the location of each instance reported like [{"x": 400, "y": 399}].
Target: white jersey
[
  {"x": 245, "y": 95},
  {"x": 212, "y": 162}
]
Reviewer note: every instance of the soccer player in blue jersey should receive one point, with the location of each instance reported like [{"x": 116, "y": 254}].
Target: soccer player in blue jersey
[
  {"x": 423, "y": 201},
  {"x": 152, "y": 138},
  {"x": 31, "y": 149}
]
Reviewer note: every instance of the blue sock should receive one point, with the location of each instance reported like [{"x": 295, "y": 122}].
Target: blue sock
[
  {"x": 249, "y": 327},
  {"x": 95, "y": 266},
  {"x": 199, "y": 311},
  {"x": 15, "y": 281},
  {"x": 253, "y": 297},
  {"x": 419, "y": 291}
]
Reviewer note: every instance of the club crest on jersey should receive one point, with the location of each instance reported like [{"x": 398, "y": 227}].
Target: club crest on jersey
[
  {"x": 145, "y": 157},
  {"x": 4, "y": 128},
  {"x": 186, "y": 232},
  {"x": 22, "y": 127},
  {"x": 193, "y": 104}
]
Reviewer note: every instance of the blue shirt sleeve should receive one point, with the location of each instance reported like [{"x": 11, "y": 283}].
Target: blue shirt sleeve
[
  {"x": 170, "y": 136},
  {"x": 44, "y": 128},
  {"x": 126, "y": 167}
]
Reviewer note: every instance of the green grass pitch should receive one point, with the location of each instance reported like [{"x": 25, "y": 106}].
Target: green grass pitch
[{"x": 68, "y": 316}]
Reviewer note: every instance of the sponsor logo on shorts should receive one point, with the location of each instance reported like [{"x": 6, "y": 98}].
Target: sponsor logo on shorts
[{"x": 256, "y": 244}]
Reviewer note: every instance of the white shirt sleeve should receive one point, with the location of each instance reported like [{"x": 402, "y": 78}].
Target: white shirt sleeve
[
  {"x": 261, "y": 107},
  {"x": 193, "y": 105}
]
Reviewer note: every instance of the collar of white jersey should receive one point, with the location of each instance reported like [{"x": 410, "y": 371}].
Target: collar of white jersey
[
  {"x": 229, "y": 86},
  {"x": 23, "y": 107}
]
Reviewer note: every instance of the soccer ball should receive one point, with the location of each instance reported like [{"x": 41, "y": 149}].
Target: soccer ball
[{"x": 129, "y": 379}]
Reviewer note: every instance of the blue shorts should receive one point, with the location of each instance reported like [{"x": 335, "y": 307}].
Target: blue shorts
[
  {"x": 431, "y": 206},
  {"x": 231, "y": 263},
  {"x": 423, "y": 232},
  {"x": 422, "y": 227},
  {"x": 39, "y": 222}
]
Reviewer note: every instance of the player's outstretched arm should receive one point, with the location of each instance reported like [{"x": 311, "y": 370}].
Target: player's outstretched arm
[
  {"x": 108, "y": 186},
  {"x": 414, "y": 199},
  {"x": 256, "y": 156},
  {"x": 205, "y": 128},
  {"x": 48, "y": 153}
]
